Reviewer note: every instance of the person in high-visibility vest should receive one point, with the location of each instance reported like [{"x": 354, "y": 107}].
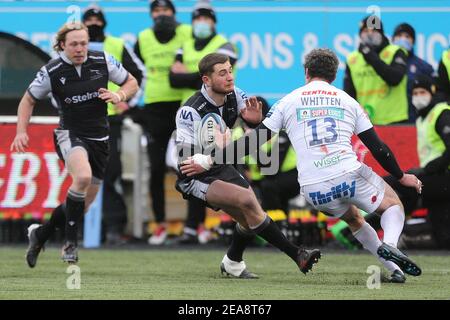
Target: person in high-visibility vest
[
  {"x": 375, "y": 75},
  {"x": 433, "y": 148},
  {"x": 405, "y": 37},
  {"x": 443, "y": 81},
  {"x": 114, "y": 209},
  {"x": 184, "y": 72},
  {"x": 157, "y": 47},
  {"x": 185, "y": 76}
]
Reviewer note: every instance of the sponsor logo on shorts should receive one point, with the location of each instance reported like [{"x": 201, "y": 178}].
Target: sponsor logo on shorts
[{"x": 340, "y": 191}]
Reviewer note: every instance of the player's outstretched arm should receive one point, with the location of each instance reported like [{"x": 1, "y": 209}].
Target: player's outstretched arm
[
  {"x": 383, "y": 154},
  {"x": 24, "y": 112},
  {"x": 228, "y": 155},
  {"x": 252, "y": 113}
]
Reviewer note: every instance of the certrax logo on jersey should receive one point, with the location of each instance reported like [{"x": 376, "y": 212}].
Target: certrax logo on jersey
[
  {"x": 81, "y": 98},
  {"x": 318, "y": 112}
]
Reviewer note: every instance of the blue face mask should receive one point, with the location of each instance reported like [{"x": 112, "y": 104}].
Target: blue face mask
[
  {"x": 202, "y": 30},
  {"x": 404, "y": 43}
]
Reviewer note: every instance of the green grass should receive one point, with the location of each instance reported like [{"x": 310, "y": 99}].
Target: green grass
[{"x": 194, "y": 274}]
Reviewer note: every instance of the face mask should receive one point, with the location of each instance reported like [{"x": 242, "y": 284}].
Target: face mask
[
  {"x": 421, "y": 102},
  {"x": 404, "y": 43},
  {"x": 164, "y": 27},
  {"x": 96, "y": 33},
  {"x": 374, "y": 39},
  {"x": 202, "y": 30}
]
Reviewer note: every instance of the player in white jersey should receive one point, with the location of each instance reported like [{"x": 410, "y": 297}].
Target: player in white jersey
[{"x": 320, "y": 121}]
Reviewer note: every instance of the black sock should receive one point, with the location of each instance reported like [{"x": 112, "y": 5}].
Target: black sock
[
  {"x": 241, "y": 239},
  {"x": 57, "y": 220},
  {"x": 74, "y": 213},
  {"x": 270, "y": 232}
]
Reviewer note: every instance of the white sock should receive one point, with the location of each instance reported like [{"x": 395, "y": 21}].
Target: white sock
[
  {"x": 392, "y": 221},
  {"x": 369, "y": 239}
]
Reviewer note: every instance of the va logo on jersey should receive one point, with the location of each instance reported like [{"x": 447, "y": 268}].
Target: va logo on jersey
[
  {"x": 340, "y": 191},
  {"x": 186, "y": 115}
]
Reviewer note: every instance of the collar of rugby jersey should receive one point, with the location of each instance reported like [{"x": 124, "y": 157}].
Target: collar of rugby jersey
[
  {"x": 204, "y": 91},
  {"x": 67, "y": 60},
  {"x": 319, "y": 82}
]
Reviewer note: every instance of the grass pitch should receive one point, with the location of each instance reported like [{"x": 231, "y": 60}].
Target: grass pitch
[{"x": 166, "y": 274}]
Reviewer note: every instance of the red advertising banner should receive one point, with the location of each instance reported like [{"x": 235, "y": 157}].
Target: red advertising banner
[
  {"x": 35, "y": 181},
  {"x": 402, "y": 140}
]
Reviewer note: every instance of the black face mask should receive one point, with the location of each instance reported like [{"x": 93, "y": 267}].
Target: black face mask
[
  {"x": 164, "y": 28},
  {"x": 96, "y": 33}
]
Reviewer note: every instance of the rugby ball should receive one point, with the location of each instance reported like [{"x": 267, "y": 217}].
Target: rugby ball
[{"x": 206, "y": 128}]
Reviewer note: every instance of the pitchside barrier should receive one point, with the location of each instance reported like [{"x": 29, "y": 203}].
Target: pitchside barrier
[{"x": 32, "y": 184}]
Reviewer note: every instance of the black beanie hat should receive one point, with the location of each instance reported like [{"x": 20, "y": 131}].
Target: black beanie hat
[
  {"x": 204, "y": 8},
  {"x": 372, "y": 22},
  {"x": 405, "y": 27},
  {"x": 162, "y": 3},
  {"x": 94, "y": 11},
  {"x": 425, "y": 82}
]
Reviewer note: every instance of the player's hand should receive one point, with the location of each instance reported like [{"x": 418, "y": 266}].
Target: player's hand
[
  {"x": 222, "y": 139},
  {"x": 410, "y": 180},
  {"x": 109, "y": 96},
  {"x": 178, "y": 67},
  {"x": 252, "y": 112},
  {"x": 195, "y": 165},
  {"x": 20, "y": 142}
]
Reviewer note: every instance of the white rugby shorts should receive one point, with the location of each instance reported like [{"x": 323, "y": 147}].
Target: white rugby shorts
[{"x": 361, "y": 187}]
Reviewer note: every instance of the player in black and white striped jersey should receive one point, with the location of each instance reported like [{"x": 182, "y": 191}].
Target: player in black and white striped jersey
[{"x": 78, "y": 81}]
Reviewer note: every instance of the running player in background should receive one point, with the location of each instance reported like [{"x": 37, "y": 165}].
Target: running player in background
[{"x": 77, "y": 79}]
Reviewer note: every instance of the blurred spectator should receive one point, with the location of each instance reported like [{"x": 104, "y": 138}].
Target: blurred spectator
[
  {"x": 444, "y": 77},
  {"x": 156, "y": 47},
  {"x": 433, "y": 147},
  {"x": 184, "y": 72},
  {"x": 113, "y": 204},
  {"x": 376, "y": 75},
  {"x": 405, "y": 37}
]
